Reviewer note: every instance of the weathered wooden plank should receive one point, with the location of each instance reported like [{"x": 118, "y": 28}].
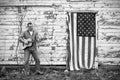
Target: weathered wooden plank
[
  {"x": 10, "y": 47},
  {"x": 8, "y": 16},
  {"x": 9, "y": 23},
  {"x": 110, "y": 4},
  {"x": 109, "y": 52},
  {"x": 109, "y": 17},
  {"x": 33, "y": 14},
  {"x": 63, "y": 2},
  {"x": 9, "y": 34},
  {"x": 8, "y": 27},
  {"x": 110, "y": 30},
  {"x": 59, "y": 60},
  {"x": 58, "y": 63},
  {"x": 8, "y": 12},
  {"x": 109, "y": 36},
  {"x": 7, "y": 55},
  {"x": 61, "y": 48},
  {"x": 62, "y": 41},
  {"x": 59, "y": 54},
  {"x": 106, "y": 44},
  {"x": 109, "y": 61},
  {"x": 8, "y": 62},
  {"x": 48, "y": 17},
  {"x": 8, "y": 9},
  {"x": 8, "y": 44},
  {"x": 8, "y": 41},
  {"x": 12, "y": 60},
  {"x": 109, "y": 27},
  {"x": 56, "y": 27},
  {"x": 61, "y": 37},
  {"x": 82, "y": 4},
  {"x": 33, "y": 3},
  {"x": 6, "y": 52},
  {"x": 47, "y": 52},
  {"x": 39, "y": 9},
  {"x": 102, "y": 4},
  {"x": 109, "y": 14},
  {"x": 9, "y": 37},
  {"x": 37, "y": 19},
  {"x": 49, "y": 48},
  {"x": 58, "y": 2},
  {"x": 79, "y": 9},
  {"x": 8, "y": 19},
  {"x": 7, "y": 1},
  {"x": 43, "y": 22},
  {"x": 44, "y": 48}
]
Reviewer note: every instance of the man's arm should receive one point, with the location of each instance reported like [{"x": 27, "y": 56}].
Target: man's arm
[
  {"x": 37, "y": 37},
  {"x": 21, "y": 37},
  {"x": 40, "y": 38}
]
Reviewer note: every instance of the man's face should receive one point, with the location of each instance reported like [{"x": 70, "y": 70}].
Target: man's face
[{"x": 30, "y": 27}]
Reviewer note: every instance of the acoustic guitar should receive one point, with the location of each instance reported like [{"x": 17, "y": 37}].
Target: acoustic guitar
[{"x": 28, "y": 44}]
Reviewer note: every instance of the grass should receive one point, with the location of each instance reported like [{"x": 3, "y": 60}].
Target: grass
[{"x": 59, "y": 74}]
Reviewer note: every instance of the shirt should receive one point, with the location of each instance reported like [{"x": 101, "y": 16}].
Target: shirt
[
  {"x": 31, "y": 32},
  {"x": 26, "y": 34}
]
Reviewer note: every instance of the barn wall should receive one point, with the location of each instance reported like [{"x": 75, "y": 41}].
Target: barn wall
[
  {"x": 48, "y": 22},
  {"x": 8, "y": 32},
  {"x": 49, "y": 18}
]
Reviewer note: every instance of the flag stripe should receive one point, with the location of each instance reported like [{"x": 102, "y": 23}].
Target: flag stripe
[
  {"x": 72, "y": 42},
  {"x": 75, "y": 41},
  {"x": 71, "y": 48},
  {"x": 94, "y": 48},
  {"x": 89, "y": 51},
  {"x": 80, "y": 52},
  {"x": 78, "y": 55},
  {"x": 92, "y": 52},
  {"x": 86, "y": 52},
  {"x": 83, "y": 51}
]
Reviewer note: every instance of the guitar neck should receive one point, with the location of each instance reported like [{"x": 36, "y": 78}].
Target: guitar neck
[{"x": 42, "y": 39}]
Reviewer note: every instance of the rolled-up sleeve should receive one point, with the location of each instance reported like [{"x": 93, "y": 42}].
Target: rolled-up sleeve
[
  {"x": 37, "y": 37},
  {"x": 21, "y": 37}
]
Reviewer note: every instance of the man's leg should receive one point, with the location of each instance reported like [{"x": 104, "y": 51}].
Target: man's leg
[
  {"x": 37, "y": 61},
  {"x": 26, "y": 58}
]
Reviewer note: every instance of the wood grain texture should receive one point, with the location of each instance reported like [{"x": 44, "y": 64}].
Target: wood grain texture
[{"x": 109, "y": 51}]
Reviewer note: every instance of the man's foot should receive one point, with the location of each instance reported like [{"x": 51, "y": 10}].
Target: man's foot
[
  {"x": 66, "y": 71},
  {"x": 26, "y": 73},
  {"x": 39, "y": 72}
]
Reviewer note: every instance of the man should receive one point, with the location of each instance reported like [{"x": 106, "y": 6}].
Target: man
[{"x": 29, "y": 38}]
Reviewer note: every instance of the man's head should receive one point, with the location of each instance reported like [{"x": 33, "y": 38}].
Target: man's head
[{"x": 30, "y": 26}]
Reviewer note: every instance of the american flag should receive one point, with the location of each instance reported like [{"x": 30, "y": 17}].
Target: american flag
[{"x": 82, "y": 40}]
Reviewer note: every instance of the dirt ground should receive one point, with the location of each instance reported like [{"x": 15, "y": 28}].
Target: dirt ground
[{"x": 59, "y": 74}]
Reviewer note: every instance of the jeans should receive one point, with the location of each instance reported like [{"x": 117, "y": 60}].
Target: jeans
[{"x": 34, "y": 54}]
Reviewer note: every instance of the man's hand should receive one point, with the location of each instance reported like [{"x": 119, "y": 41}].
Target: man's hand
[{"x": 25, "y": 41}]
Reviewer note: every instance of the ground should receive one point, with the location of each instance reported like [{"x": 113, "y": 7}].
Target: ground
[{"x": 59, "y": 74}]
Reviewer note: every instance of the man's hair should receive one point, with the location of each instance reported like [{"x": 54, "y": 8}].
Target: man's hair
[{"x": 29, "y": 23}]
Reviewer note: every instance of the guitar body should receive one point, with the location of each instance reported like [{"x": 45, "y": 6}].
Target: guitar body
[{"x": 29, "y": 43}]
